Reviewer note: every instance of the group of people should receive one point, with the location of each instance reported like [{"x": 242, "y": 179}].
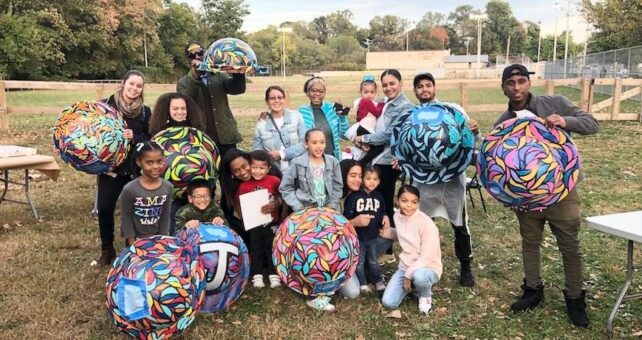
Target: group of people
[{"x": 296, "y": 157}]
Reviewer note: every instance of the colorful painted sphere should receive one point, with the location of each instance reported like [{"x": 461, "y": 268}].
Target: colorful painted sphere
[
  {"x": 315, "y": 251},
  {"x": 155, "y": 288},
  {"x": 523, "y": 163},
  {"x": 189, "y": 154},
  {"x": 226, "y": 261},
  {"x": 89, "y": 137},
  {"x": 229, "y": 55},
  {"x": 434, "y": 143}
]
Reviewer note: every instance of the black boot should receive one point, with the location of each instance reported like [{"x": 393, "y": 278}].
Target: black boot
[
  {"x": 107, "y": 255},
  {"x": 576, "y": 310},
  {"x": 466, "y": 278},
  {"x": 530, "y": 299}
]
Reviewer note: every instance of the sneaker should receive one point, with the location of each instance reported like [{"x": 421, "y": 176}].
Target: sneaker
[
  {"x": 321, "y": 303},
  {"x": 425, "y": 304},
  {"x": 380, "y": 286},
  {"x": 387, "y": 258},
  {"x": 365, "y": 289},
  {"x": 275, "y": 281},
  {"x": 107, "y": 255},
  {"x": 257, "y": 281}
]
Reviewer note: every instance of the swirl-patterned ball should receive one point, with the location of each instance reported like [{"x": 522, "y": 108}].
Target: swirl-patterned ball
[
  {"x": 226, "y": 261},
  {"x": 189, "y": 154},
  {"x": 434, "y": 143},
  {"x": 89, "y": 137},
  {"x": 522, "y": 163},
  {"x": 315, "y": 251},
  {"x": 155, "y": 288},
  {"x": 229, "y": 55}
]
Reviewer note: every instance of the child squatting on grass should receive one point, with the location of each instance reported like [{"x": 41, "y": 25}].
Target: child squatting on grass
[
  {"x": 145, "y": 201},
  {"x": 420, "y": 257},
  {"x": 201, "y": 207}
]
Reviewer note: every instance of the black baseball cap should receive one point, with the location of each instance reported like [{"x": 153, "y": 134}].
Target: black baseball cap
[
  {"x": 516, "y": 69},
  {"x": 422, "y": 76}
]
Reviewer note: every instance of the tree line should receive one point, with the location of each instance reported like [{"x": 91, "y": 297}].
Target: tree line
[{"x": 76, "y": 39}]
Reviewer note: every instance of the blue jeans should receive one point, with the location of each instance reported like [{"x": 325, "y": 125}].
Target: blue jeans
[
  {"x": 423, "y": 278},
  {"x": 368, "y": 257},
  {"x": 350, "y": 289}
]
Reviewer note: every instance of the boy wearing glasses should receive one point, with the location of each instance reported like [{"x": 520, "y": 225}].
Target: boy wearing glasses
[
  {"x": 209, "y": 91},
  {"x": 201, "y": 207}
]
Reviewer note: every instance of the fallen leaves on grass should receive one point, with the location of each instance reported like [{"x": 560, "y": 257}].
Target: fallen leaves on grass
[{"x": 395, "y": 314}]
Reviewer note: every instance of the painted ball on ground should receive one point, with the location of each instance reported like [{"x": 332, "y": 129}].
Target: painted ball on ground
[
  {"x": 434, "y": 143},
  {"x": 225, "y": 258},
  {"x": 315, "y": 251},
  {"x": 155, "y": 288},
  {"x": 89, "y": 137},
  {"x": 189, "y": 154},
  {"x": 229, "y": 55},
  {"x": 522, "y": 163}
]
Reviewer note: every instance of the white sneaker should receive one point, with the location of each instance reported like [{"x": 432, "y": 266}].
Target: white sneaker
[
  {"x": 425, "y": 305},
  {"x": 321, "y": 303},
  {"x": 365, "y": 289},
  {"x": 275, "y": 281},
  {"x": 257, "y": 281},
  {"x": 380, "y": 286}
]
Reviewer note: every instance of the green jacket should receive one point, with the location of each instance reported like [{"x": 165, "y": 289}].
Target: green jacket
[
  {"x": 188, "y": 212},
  {"x": 212, "y": 100}
]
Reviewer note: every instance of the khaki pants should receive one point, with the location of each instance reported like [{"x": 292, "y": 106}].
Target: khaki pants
[{"x": 564, "y": 220}]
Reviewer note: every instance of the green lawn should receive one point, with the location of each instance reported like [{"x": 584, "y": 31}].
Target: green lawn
[{"x": 48, "y": 290}]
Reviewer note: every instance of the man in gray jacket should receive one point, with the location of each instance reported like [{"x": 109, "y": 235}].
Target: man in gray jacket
[
  {"x": 209, "y": 91},
  {"x": 564, "y": 216}
]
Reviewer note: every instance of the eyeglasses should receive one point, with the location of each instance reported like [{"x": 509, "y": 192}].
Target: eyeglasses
[
  {"x": 201, "y": 197},
  {"x": 194, "y": 55},
  {"x": 275, "y": 98},
  {"x": 317, "y": 91}
]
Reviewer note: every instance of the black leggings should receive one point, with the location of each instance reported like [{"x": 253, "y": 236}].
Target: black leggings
[
  {"x": 372, "y": 152},
  {"x": 109, "y": 189}
]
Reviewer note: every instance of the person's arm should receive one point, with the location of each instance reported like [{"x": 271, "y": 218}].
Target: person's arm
[
  {"x": 383, "y": 137},
  {"x": 297, "y": 149},
  {"x": 577, "y": 120},
  {"x": 350, "y": 206},
  {"x": 166, "y": 211},
  {"x": 367, "y": 106},
  {"x": 127, "y": 214},
  {"x": 234, "y": 84},
  {"x": 429, "y": 247},
  {"x": 257, "y": 142},
  {"x": 389, "y": 233},
  {"x": 288, "y": 188},
  {"x": 337, "y": 186}
]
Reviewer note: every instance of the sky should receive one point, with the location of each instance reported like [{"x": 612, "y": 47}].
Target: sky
[{"x": 274, "y": 12}]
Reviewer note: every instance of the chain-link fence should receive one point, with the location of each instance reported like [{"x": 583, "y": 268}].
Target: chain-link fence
[{"x": 623, "y": 63}]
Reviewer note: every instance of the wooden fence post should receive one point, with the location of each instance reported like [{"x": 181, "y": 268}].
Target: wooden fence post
[
  {"x": 4, "y": 117},
  {"x": 617, "y": 94},
  {"x": 550, "y": 88},
  {"x": 586, "y": 94},
  {"x": 463, "y": 95}
]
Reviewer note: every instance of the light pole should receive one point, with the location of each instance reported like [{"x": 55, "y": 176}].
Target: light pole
[
  {"x": 556, "y": 7},
  {"x": 407, "y": 32},
  {"x": 568, "y": 11},
  {"x": 283, "y": 30},
  {"x": 479, "y": 18},
  {"x": 539, "y": 40},
  {"x": 467, "y": 42}
]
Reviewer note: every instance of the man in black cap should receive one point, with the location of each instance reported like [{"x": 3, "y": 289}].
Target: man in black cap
[
  {"x": 447, "y": 200},
  {"x": 209, "y": 91},
  {"x": 564, "y": 216}
]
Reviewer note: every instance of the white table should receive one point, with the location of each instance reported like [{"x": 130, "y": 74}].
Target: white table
[{"x": 628, "y": 226}]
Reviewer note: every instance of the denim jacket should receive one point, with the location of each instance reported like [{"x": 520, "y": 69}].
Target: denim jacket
[
  {"x": 266, "y": 135},
  {"x": 396, "y": 112},
  {"x": 296, "y": 184}
]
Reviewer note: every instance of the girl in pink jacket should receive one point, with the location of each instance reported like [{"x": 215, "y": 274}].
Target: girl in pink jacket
[{"x": 420, "y": 259}]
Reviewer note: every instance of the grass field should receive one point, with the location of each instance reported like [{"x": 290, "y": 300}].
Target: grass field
[{"x": 49, "y": 291}]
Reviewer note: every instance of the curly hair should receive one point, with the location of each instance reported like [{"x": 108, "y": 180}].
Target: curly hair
[{"x": 160, "y": 116}]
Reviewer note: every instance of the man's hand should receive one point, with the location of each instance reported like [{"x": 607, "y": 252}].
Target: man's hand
[
  {"x": 395, "y": 163},
  {"x": 128, "y": 134},
  {"x": 218, "y": 220},
  {"x": 263, "y": 115},
  {"x": 193, "y": 65},
  {"x": 473, "y": 125},
  {"x": 192, "y": 224},
  {"x": 555, "y": 120},
  {"x": 407, "y": 285}
]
